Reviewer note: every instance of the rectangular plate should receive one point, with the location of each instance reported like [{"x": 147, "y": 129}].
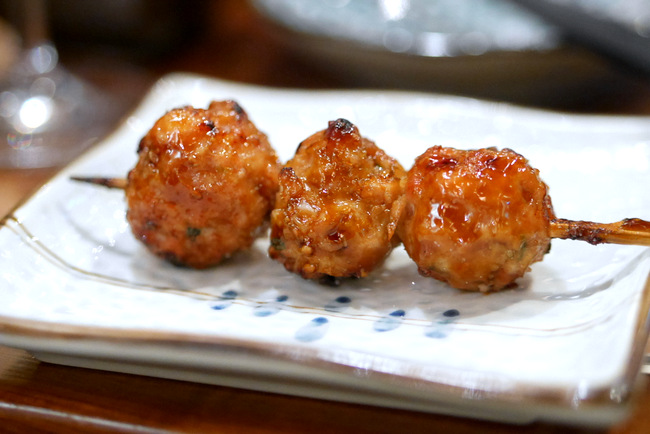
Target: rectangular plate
[{"x": 567, "y": 344}]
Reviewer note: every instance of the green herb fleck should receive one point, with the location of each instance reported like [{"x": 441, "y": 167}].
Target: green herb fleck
[
  {"x": 277, "y": 244},
  {"x": 192, "y": 233}
]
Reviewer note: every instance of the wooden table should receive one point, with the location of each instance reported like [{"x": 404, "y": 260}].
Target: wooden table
[{"x": 41, "y": 397}]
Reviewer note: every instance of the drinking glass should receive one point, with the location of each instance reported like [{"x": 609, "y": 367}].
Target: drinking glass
[{"x": 48, "y": 116}]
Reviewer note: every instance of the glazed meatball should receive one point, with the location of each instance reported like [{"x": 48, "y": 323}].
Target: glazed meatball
[
  {"x": 475, "y": 219},
  {"x": 203, "y": 186},
  {"x": 338, "y": 206}
]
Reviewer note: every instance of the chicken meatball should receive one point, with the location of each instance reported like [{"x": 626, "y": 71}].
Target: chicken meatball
[
  {"x": 203, "y": 186},
  {"x": 475, "y": 219},
  {"x": 338, "y": 206}
]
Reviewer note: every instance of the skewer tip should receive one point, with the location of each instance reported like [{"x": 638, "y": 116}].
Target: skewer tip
[
  {"x": 119, "y": 183},
  {"x": 628, "y": 231}
]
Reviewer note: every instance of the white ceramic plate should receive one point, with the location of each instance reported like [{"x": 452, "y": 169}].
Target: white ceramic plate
[{"x": 77, "y": 289}]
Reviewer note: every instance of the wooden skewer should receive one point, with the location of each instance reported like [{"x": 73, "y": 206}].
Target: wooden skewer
[
  {"x": 630, "y": 231},
  {"x": 119, "y": 183}
]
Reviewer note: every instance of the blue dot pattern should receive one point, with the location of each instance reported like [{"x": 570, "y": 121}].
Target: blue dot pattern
[
  {"x": 390, "y": 321},
  {"x": 313, "y": 330},
  {"x": 339, "y": 304},
  {"x": 225, "y": 300},
  {"x": 441, "y": 328},
  {"x": 271, "y": 308}
]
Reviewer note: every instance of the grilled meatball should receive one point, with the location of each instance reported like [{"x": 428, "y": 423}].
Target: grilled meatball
[
  {"x": 203, "y": 186},
  {"x": 338, "y": 206},
  {"x": 475, "y": 219}
]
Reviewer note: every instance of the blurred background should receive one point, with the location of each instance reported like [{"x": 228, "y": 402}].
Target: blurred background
[
  {"x": 486, "y": 48},
  {"x": 490, "y": 49}
]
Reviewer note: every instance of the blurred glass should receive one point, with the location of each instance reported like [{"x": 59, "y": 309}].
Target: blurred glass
[{"x": 47, "y": 115}]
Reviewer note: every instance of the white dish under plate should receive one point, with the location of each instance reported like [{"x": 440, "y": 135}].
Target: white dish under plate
[{"x": 567, "y": 344}]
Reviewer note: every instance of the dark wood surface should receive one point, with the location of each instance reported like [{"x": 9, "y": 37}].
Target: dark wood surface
[{"x": 236, "y": 45}]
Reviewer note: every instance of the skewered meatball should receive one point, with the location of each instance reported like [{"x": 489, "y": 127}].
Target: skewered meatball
[
  {"x": 203, "y": 186},
  {"x": 338, "y": 206},
  {"x": 475, "y": 219}
]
